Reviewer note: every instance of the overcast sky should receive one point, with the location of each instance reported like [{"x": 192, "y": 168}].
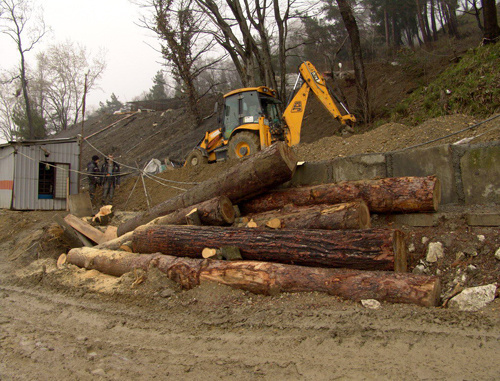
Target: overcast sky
[{"x": 108, "y": 24}]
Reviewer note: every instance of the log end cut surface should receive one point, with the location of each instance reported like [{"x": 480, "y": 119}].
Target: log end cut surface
[{"x": 227, "y": 210}]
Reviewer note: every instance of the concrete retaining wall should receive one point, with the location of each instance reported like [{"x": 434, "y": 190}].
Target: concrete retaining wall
[{"x": 469, "y": 174}]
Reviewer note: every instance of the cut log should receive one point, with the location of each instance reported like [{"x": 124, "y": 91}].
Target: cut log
[
  {"x": 253, "y": 175},
  {"x": 116, "y": 243},
  {"x": 84, "y": 228},
  {"x": 208, "y": 252},
  {"x": 229, "y": 253},
  {"x": 218, "y": 211},
  {"x": 274, "y": 223},
  {"x": 269, "y": 278},
  {"x": 396, "y": 194},
  {"x": 350, "y": 215},
  {"x": 61, "y": 261},
  {"x": 368, "y": 249},
  {"x": 104, "y": 216}
]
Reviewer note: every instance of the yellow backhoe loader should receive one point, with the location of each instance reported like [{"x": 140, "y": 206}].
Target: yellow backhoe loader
[{"x": 251, "y": 119}]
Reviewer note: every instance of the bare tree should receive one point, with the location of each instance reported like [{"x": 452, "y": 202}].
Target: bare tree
[
  {"x": 59, "y": 82},
  {"x": 471, "y": 7},
  {"x": 239, "y": 44},
  {"x": 254, "y": 33},
  {"x": 421, "y": 23},
  {"x": 185, "y": 47},
  {"x": 8, "y": 100},
  {"x": 26, "y": 30}
]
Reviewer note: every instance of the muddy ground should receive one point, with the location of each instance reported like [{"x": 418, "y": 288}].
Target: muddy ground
[{"x": 69, "y": 323}]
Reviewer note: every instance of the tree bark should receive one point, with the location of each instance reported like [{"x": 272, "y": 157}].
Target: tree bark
[
  {"x": 218, "y": 211},
  {"x": 368, "y": 249},
  {"x": 421, "y": 24},
  {"x": 433, "y": 21},
  {"x": 116, "y": 243},
  {"x": 491, "y": 28},
  {"x": 362, "y": 102},
  {"x": 251, "y": 176},
  {"x": 395, "y": 194},
  {"x": 269, "y": 278},
  {"x": 352, "y": 215}
]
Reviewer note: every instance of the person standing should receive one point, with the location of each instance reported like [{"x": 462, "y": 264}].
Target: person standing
[
  {"x": 111, "y": 178},
  {"x": 93, "y": 172}
]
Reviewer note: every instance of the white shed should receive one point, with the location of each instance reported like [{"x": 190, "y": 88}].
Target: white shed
[{"x": 38, "y": 175}]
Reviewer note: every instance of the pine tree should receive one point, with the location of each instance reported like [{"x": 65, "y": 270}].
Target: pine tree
[{"x": 157, "y": 92}]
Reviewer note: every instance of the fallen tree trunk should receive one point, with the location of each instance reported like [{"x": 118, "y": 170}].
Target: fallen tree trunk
[
  {"x": 368, "y": 249},
  {"x": 396, "y": 194},
  {"x": 218, "y": 211},
  {"x": 351, "y": 215},
  {"x": 269, "y": 278},
  {"x": 253, "y": 175}
]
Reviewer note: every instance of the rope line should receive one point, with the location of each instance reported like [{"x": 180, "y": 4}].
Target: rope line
[
  {"x": 140, "y": 171},
  {"x": 453, "y": 133}
]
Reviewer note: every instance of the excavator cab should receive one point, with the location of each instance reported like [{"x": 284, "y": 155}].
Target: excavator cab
[{"x": 248, "y": 115}]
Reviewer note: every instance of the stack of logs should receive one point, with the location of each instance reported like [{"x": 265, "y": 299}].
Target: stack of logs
[{"x": 315, "y": 238}]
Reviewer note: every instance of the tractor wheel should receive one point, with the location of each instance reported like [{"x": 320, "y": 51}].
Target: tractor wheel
[
  {"x": 195, "y": 159},
  {"x": 243, "y": 144}
]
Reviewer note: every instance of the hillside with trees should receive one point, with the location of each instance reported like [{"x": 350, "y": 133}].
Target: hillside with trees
[{"x": 210, "y": 47}]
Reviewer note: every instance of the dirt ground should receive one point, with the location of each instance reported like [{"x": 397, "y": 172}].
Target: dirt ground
[{"x": 69, "y": 323}]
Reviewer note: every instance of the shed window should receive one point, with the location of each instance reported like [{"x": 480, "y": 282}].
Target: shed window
[
  {"x": 46, "y": 180},
  {"x": 52, "y": 180}
]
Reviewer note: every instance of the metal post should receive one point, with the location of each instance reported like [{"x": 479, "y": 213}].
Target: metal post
[{"x": 82, "y": 134}]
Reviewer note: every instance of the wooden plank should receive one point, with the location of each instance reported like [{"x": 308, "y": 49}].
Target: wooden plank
[
  {"x": 84, "y": 228},
  {"x": 109, "y": 234},
  {"x": 73, "y": 237},
  {"x": 80, "y": 204}
]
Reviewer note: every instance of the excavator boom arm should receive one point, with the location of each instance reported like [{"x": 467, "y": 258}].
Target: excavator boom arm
[{"x": 294, "y": 112}]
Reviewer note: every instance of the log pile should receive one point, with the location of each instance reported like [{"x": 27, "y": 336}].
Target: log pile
[{"x": 289, "y": 240}]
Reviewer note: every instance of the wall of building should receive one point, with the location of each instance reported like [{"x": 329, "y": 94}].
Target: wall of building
[
  {"x": 6, "y": 176},
  {"x": 23, "y": 163}
]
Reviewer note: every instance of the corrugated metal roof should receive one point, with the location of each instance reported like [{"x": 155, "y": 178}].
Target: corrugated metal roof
[{"x": 41, "y": 142}]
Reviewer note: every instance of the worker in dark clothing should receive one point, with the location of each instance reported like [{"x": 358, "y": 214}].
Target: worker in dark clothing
[
  {"x": 111, "y": 178},
  {"x": 93, "y": 172}
]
